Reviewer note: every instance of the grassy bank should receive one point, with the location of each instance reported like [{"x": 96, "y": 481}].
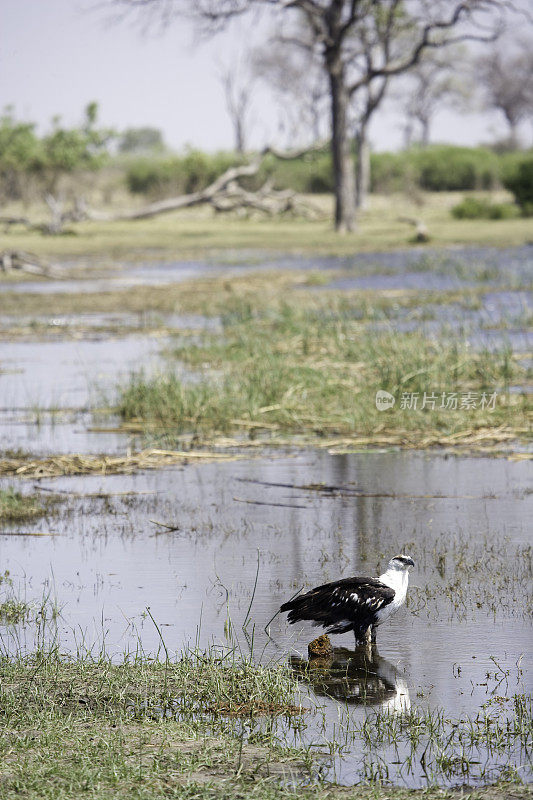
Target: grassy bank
[
  {"x": 139, "y": 729},
  {"x": 201, "y": 234},
  {"x": 203, "y": 726}
]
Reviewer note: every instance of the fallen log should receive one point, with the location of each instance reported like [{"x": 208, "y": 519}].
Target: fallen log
[
  {"x": 226, "y": 194},
  {"x": 18, "y": 260}
]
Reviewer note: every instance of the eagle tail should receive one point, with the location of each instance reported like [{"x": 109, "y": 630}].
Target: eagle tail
[
  {"x": 309, "y": 607},
  {"x": 340, "y": 627}
]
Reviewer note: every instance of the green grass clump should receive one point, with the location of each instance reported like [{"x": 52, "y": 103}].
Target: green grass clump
[
  {"x": 147, "y": 729},
  {"x": 139, "y": 729},
  {"x": 13, "y": 611},
  {"x": 293, "y": 370},
  {"x": 17, "y": 507}
]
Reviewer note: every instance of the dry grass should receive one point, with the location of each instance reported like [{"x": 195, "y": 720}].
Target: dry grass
[{"x": 76, "y": 464}]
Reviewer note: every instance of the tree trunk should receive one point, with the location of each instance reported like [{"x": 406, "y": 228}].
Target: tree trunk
[
  {"x": 362, "y": 175},
  {"x": 408, "y": 134},
  {"x": 343, "y": 166},
  {"x": 239, "y": 135},
  {"x": 425, "y": 123},
  {"x": 513, "y": 126}
]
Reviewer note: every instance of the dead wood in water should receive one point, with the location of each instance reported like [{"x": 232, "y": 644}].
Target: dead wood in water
[
  {"x": 27, "y": 533},
  {"x": 350, "y": 491},
  {"x": 265, "y": 503},
  {"x": 96, "y": 495},
  {"x": 28, "y": 263},
  {"x": 167, "y": 528}
]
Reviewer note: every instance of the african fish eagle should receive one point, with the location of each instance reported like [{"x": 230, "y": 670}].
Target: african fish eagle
[{"x": 354, "y": 604}]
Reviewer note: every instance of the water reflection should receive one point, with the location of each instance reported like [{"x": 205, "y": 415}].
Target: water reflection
[{"x": 358, "y": 677}]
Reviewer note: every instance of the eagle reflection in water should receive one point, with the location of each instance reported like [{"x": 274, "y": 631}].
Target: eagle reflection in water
[{"x": 358, "y": 677}]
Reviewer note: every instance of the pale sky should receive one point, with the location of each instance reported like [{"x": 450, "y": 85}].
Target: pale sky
[{"x": 58, "y": 55}]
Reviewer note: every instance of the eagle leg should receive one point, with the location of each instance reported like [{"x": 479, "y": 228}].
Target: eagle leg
[
  {"x": 363, "y": 636},
  {"x": 374, "y": 633}
]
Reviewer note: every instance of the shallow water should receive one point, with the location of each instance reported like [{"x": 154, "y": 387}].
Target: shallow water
[
  {"x": 47, "y": 391},
  {"x": 469, "y": 263},
  {"x": 402, "y": 281},
  {"x": 123, "y": 276},
  {"x": 85, "y": 326},
  {"x": 460, "y": 518},
  {"x": 65, "y": 432},
  {"x": 503, "y": 264},
  {"x": 67, "y": 374}
]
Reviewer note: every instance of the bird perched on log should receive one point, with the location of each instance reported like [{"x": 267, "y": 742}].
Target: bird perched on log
[{"x": 354, "y": 604}]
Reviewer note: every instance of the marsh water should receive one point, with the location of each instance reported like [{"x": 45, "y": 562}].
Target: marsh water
[
  {"x": 212, "y": 551},
  {"x": 250, "y": 534}
]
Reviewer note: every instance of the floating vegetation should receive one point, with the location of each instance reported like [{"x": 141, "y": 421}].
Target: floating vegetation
[
  {"x": 18, "y": 507},
  {"x": 13, "y": 611},
  {"x": 77, "y": 464}
]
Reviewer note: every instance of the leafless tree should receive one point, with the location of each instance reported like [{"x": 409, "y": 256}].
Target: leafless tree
[
  {"x": 297, "y": 77},
  {"x": 507, "y": 83},
  {"x": 370, "y": 98},
  {"x": 440, "y": 80},
  {"x": 238, "y": 88},
  {"x": 336, "y": 25},
  {"x": 297, "y": 81}
]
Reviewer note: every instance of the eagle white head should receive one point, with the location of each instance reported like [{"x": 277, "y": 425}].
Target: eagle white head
[
  {"x": 401, "y": 563},
  {"x": 397, "y": 577}
]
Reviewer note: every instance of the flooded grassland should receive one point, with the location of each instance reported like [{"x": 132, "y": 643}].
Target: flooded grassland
[{"x": 168, "y": 507}]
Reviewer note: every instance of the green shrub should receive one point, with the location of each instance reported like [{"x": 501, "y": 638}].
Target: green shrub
[
  {"x": 443, "y": 168},
  {"x": 519, "y": 181},
  {"x": 160, "y": 177},
  {"x": 476, "y": 208},
  {"x": 438, "y": 168},
  {"x": 435, "y": 168},
  {"x": 388, "y": 172},
  {"x": 310, "y": 174},
  {"x": 143, "y": 176}
]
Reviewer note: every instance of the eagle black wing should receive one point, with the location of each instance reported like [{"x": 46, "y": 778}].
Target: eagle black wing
[{"x": 348, "y": 604}]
